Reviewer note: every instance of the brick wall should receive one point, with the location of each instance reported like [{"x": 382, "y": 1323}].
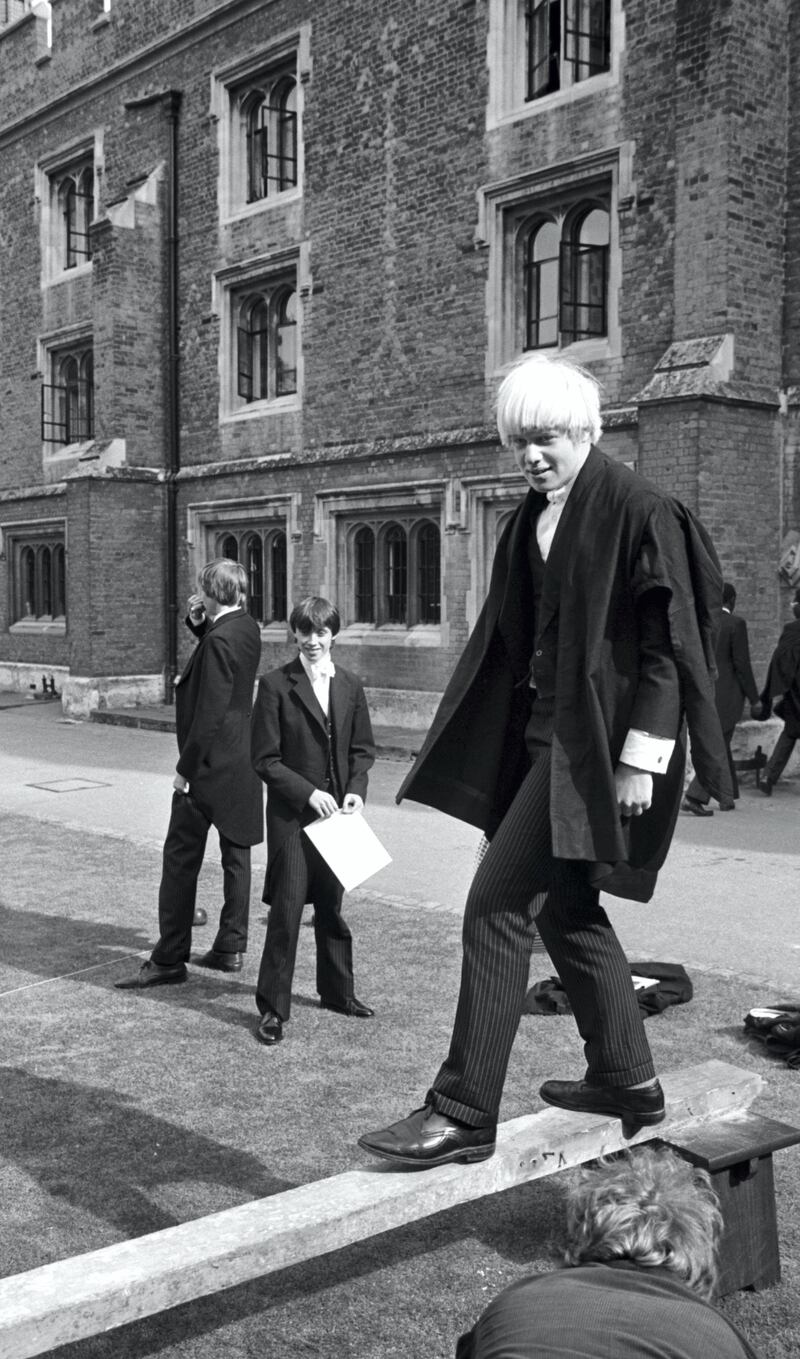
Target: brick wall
[
  {"x": 394, "y": 317},
  {"x": 116, "y": 575},
  {"x": 724, "y": 462}
]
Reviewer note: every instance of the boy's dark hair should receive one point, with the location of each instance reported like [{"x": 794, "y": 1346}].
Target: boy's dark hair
[
  {"x": 314, "y": 613},
  {"x": 728, "y": 595}
]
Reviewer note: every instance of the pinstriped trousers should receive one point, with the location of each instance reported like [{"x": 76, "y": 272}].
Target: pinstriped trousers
[
  {"x": 184, "y": 849},
  {"x": 518, "y": 882}
]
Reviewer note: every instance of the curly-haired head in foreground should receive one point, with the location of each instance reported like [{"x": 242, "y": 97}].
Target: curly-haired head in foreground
[{"x": 648, "y": 1206}]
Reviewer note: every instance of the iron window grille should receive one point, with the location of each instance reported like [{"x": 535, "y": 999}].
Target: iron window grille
[
  {"x": 587, "y": 37},
  {"x": 565, "y": 279},
  {"x": 385, "y": 557},
  {"x": 566, "y": 41},
  {"x": 253, "y": 353},
  {"x": 364, "y": 575},
  {"x": 429, "y": 574},
  {"x": 68, "y": 403},
  {"x": 395, "y": 566},
  {"x": 279, "y": 586},
  {"x": 584, "y": 291},
  {"x": 262, "y": 552},
  {"x": 78, "y": 194},
  {"x": 285, "y": 304},
  {"x": 540, "y": 283},
  {"x": 267, "y": 346},
  {"x": 40, "y": 584},
  {"x": 271, "y": 136}
]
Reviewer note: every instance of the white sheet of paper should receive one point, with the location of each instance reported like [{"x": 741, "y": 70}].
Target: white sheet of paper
[{"x": 349, "y": 846}]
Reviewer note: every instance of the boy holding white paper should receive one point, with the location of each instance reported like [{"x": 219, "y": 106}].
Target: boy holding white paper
[{"x": 312, "y": 745}]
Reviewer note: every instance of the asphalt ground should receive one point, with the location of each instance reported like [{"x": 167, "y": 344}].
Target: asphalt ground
[{"x": 124, "y": 1114}]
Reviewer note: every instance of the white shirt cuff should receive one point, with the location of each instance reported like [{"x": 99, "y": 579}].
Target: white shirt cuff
[{"x": 643, "y": 751}]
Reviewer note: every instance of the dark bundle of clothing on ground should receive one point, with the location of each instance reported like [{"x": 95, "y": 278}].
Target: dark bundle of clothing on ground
[
  {"x": 778, "y": 1028},
  {"x": 670, "y": 984}
]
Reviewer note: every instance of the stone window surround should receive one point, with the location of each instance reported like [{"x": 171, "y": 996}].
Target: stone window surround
[
  {"x": 47, "y": 173},
  {"x": 207, "y": 517},
  {"x": 506, "y": 62},
  {"x": 338, "y": 512},
  {"x": 226, "y": 84},
  {"x": 14, "y": 535},
  {"x": 47, "y": 346},
  {"x": 268, "y": 272},
  {"x": 502, "y": 210}
]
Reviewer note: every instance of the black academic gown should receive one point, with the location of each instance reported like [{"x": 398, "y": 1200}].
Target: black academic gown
[{"x": 618, "y": 536}]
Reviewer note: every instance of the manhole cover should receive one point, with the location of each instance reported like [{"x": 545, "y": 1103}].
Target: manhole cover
[{"x": 69, "y": 785}]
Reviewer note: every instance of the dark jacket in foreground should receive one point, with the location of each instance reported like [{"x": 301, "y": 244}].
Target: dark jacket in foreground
[
  {"x": 608, "y": 1311},
  {"x": 290, "y": 746},
  {"x": 617, "y": 538},
  {"x": 213, "y": 703}
]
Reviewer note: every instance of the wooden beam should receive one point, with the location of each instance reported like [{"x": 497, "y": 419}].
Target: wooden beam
[{"x": 88, "y": 1294}]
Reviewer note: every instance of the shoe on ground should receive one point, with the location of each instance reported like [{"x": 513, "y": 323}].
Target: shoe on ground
[
  {"x": 222, "y": 962},
  {"x": 200, "y": 916},
  {"x": 765, "y": 788},
  {"x": 270, "y": 1029},
  {"x": 727, "y": 805},
  {"x": 427, "y": 1138},
  {"x": 637, "y": 1106},
  {"x": 690, "y": 804},
  {"x": 356, "y": 1009},
  {"x": 153, "y": 974}
]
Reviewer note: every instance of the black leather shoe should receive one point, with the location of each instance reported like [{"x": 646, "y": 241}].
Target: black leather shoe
[
  {"x": 222, "y": 962},
  {"x": 153, "y": 974},
  {"x": 354, "y": 1008},
  {"x": 200, "y": 916},
  {"x": 690, "y": 804},
  {"x": 637, "y": 1106},
  {"x": 766, "y": 788},
  {"x": 270, "y": 1030},
  {"x": 728, "y": 805},
  {"x": 426, "y": 1138}
]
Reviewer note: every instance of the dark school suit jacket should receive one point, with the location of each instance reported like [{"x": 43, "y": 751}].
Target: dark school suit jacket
[
  {"x": 735, "y": 679},
  {"x": 290, "y": 746},
  {"x": 617, "y": 538},
  {"x": 783, "y": 678},
  {"x": 213, "y": 703}
]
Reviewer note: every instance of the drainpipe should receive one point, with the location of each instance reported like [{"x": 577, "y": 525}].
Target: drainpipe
[{"x": 170, "y": 101}]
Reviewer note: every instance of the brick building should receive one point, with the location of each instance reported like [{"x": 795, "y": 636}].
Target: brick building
[{"x": 263, "y": 261}]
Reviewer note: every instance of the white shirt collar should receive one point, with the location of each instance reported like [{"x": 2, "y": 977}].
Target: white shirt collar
[{"x": 323, "y": 669}]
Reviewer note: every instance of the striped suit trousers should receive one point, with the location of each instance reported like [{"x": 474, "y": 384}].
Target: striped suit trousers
[{"x": 517, "y": 883}]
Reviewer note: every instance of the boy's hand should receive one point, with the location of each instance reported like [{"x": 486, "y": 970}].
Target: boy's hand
[
  {"x": 352, "y": 803},
  {"x": 196, "y": 608},
  {"x": 634, "y": 789},
  {"x": 324, "y": 804}
]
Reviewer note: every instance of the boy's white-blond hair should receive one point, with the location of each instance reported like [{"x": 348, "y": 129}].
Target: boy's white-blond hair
[{"x": 543, "y": 392}]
